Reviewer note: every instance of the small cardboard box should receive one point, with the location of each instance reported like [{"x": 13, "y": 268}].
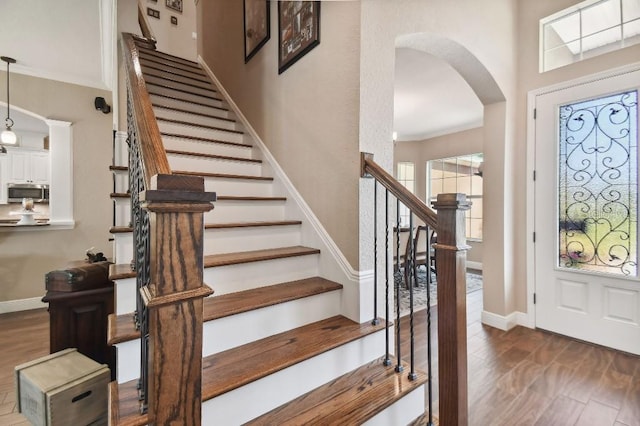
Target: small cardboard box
[{"x": 64, "y": 388}]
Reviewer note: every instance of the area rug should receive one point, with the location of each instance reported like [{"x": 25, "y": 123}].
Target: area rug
[{"x": 474, "y": 283}]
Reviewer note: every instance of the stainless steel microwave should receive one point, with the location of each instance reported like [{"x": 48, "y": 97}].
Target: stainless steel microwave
[{"x": 17, "y": 191}]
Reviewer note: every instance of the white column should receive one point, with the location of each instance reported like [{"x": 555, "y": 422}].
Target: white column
[{"x": 61, "y": 173}]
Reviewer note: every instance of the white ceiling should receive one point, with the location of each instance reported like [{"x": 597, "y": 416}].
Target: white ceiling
[
  {"x": 64, "y": 40},
  {"x": 431, "y": 98}
]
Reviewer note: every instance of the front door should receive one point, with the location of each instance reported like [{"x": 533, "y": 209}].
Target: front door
[{"x": 586, "y": 212}]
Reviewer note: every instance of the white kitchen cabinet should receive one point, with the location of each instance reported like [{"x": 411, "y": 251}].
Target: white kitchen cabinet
[{"x": 28, "y": 167}]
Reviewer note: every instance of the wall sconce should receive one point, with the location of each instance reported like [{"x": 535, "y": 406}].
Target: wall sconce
[
  {"x": 8, "y": 137},
  {"x": 101, "y": 105}
]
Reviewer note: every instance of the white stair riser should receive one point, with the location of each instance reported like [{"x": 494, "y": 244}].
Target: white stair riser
[
  {"x": 200, "y": 132},
  {"x": 121, "y": 180},
  {"x": 225, "y": 240},
  {"x": 196, "y": 119},
  {"x": 232, "y": 278},
  {"x": 207, "y": 100},
  {"x": 223, "y": 211},
  {"x": 207, "y": 91},
  {"x": 269, "y": 392},
  {"x": 233, "y": 331},
  {"x": 245, "y": 211},
  {"x": 125, "y": 295},
  {"x": 213, "y": 165},
  {"x": 204, "y": 147},
  {"x": 402, "y": 412},
  {"x": 239, "y": 187},
  {"x": 123, "y": 211},
  {"x": 192, "y": 107}
]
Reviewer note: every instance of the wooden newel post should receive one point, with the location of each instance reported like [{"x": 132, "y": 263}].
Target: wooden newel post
[
  {"x": 451, "y": 258},
  {"x": 176, "y": 206}
]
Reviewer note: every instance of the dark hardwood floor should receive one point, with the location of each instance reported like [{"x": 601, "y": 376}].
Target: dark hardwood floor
[{"x": 520, "y": 377}]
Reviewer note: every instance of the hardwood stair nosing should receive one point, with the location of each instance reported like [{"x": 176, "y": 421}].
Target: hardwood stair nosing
[
  {"x": 169, "y": 61},
  {"x": 171, "y": 71},
  {"x": 119, "y": 168},
  {"x": 203, "y": 126},
  {"x": 128, "y": 229},
  {"x": 145, "y": 61},
  {"x": 162, "y": 95},
  {"x": 123, "y": 271},
  {"x": 124, "y": 407},
  {"x": 212, "y": 156},
  {"x": 202, "y": 95},
  {"x": 197, "y": 138},
  {"x": 126, "y": 195},
  {"x": 121, "y": 327},
  {"x": 223, "y": 175},
  {"x": 352, "y": 398}
]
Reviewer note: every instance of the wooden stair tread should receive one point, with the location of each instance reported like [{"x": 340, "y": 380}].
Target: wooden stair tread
[
  {"x": 213, "y": 156},
  {"x": 173, "y": 72},
  {"x": 175, "y": 98},
  {"x": 233, "y": 368},
  {"x": 124, "y": 407},
  {"x": 168, "y": 56},
  {"x": 126, "y": 229},
  {"x": 221, "y": 175},
  {"x": 205, "y": 86},
  {"x": 186, "y": 111},
  {"x": 219, "y": 198},
  {"x": 205, "y": 126},
  {"x": 119, "y": 168},
  {"x": 194, "y": 68},
  {"x": 166, "y": 86},
  {"x": 213, "y": 260},
  {"x": 350, "y": 399},
  {"x": 121, "y": 327},
  {"x": 123, "y": 270}
]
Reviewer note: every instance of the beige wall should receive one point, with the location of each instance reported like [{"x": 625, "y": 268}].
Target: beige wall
[
  {"x": 307, "y": 116},
  {"x": 451, "y": 145},
  {"x": 25, "y": 257},
  {"x": 174, "y": 39},
  {"x": 529, "y": 14},
  {"x": 486, "y": 32}
]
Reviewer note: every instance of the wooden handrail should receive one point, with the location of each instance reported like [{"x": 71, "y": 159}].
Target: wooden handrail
[
  {"x": 144, "y": 25},
  {"x": 413, "y": 203},
  {"x": 154, "y": 157}
]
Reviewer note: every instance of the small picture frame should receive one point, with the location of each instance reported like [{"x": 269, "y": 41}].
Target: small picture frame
[
  {"x": 298, "y": 31},
  {"x": 257, "y": 27},
  {"x": 153, "y": 13},
  {"x": 174, "y": 20},
  {"x": 174, "y": 4}
]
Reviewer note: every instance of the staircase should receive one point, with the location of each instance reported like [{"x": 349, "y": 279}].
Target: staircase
[{"x": 276, "y": 348}]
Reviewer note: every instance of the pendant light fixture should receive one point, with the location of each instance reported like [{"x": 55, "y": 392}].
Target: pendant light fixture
[{"x": 8, "y": 137}]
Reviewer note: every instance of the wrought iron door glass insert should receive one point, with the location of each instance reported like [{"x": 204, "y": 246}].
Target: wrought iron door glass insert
[{"x": 598, "y": 185}]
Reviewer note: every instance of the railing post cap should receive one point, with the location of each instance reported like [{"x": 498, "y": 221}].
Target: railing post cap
[{"x": 455, "y": 201}]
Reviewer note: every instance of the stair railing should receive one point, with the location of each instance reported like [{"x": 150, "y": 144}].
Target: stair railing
[
  {"x": 145, "y": 27},
  {"x": 167, "y": 213},
  {"x": 450, "y": 269}
]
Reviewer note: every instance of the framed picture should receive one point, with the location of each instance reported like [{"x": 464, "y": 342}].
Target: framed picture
[
  {"x": 174, "y": 4},
  {"x": 174, "y": 20},
  {"x": 257, "y": 27},
  {"x": 153, "y": 13},
  {"x": 298, "y": 31}
]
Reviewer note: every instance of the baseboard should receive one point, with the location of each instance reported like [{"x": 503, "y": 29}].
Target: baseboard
[
  {"x": 22, "y": 305},
  {"x": 505, "y": 322}
]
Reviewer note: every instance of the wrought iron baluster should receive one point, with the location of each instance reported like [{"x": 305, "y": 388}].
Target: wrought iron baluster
[
  {"x": 399, "y": 367},
  {"x": 375, "y": 320},
  {"x": 387, "y": 358},
  {"x": 412, "y": 281},
  {"x": 427, "y": 251}
]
